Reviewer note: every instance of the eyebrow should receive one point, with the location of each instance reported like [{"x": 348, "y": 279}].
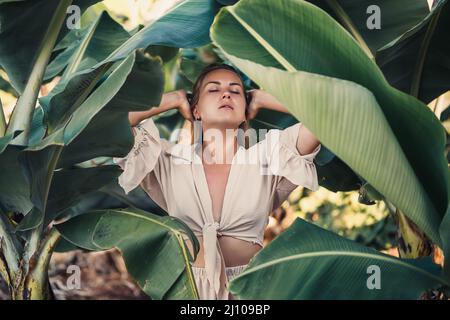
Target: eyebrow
[{"x": 218, "y": 82}]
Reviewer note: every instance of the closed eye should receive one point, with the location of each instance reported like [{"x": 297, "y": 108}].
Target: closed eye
[
  {"x": 232, "y": 91},
  {"x": 235, "y": 92}
]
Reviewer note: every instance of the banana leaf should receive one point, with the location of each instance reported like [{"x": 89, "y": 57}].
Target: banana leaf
[
  {"x": 24, "y": 29},
  {"x": 185, "y": 25},
  {"x": 419, "y": 63},
  {"x": 411, "y": 48},
  {"x": 109, "y": 196},
  {"x": 153, "y": 247},
  {"x": 112, "y": 96},
  {"x": 67, "y": 188},
  {"x": 84, "y": 48},
  {"x": 107, "y": 132},
  {"x": 307, "y": 262},
  {"x": 389, "y": 138},
  {"x": 392, "y": 24}
]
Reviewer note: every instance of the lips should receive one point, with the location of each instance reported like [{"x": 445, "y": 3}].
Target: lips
[{"x": 226, "y": 106}]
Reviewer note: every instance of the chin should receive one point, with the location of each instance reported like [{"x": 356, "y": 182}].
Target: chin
[{"x": 225, "y": 123}]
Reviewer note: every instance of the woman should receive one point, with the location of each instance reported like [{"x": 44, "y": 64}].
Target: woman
[{"x": 225, "y": 203}]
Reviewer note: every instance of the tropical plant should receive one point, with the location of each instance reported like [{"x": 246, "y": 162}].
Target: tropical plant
[{"x": 376, "y": 138}]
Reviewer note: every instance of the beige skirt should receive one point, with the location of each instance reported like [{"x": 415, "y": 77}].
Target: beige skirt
[{"x": 205, "y": 290}]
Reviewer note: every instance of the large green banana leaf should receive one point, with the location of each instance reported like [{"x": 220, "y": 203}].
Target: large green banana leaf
[
  {"x": 25, "y": 25},
  {"x": 97, "y": 43},
  {"x": 67, "y": 188},
  {"x": 308, "y": 262},
  {"x": 389, "y": 138},
  {"x": 423, "y": 22},
  {"x": 113, "y": 96},
  {"x": 419, "y": 64},
  {"x": 112, "y": 196},
  {"x": 411, "y": 48},
  {"x": 107, "y": 132},
  {"x": 109, "y": 196},
  {"x": 393, "y": 25},
  {"x": 88, "y": 46},
  {"x": 41, "y": 159},
  {"x": 336, "y": 111},
  {"x": 153, "y": 247},
  {"x": 27, "y": 71},
  {"x": 185, "y": 25}
]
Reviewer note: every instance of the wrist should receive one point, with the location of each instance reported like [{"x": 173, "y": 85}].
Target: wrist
[
  {"x": 268, "y": 101},
  {"x": 180, "y": 97},
  {"x": 168, "y": 102},
  {"x": 260, "y": 100}
]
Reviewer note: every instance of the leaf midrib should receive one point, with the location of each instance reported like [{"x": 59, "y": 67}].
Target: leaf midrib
[
  {"x": 345, "y": 253},
  {"x": 278, "y": 56},
  {"x": 176, "y": 233}
]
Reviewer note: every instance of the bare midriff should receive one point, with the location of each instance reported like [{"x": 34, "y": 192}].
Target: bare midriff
[{"x": 236, "y": 252}]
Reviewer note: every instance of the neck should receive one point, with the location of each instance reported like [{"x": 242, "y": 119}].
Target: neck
[{"x": 219, "y": 145}]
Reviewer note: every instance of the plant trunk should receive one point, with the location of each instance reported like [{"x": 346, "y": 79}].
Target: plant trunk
[
  {"x": 34, "y": 291},
  {"x": 32, "y": 283}
]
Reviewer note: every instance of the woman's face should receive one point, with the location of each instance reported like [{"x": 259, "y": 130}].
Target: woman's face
[{"x": 221, "y": 101}]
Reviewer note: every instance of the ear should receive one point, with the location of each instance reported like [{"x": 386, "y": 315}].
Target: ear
[{"x": 195, "y": 112}]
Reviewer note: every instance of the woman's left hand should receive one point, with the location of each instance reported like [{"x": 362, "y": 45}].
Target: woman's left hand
[
  {"x": 261, "y": 99},
  {"x": 255, "y": 104}
]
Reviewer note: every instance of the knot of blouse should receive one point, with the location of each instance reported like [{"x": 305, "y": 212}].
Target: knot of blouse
[{"x": 213, "y": 260}]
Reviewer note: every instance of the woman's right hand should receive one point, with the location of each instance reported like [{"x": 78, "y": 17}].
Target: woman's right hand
[
  {"x": 180, "y": 101},
  {"x": 169, "y": 100}
]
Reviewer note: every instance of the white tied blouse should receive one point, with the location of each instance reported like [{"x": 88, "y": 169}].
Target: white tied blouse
[{"x": 260, "y": 179}]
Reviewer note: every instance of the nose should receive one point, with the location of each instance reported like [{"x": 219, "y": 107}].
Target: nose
[{"x": 226, "y": 94}]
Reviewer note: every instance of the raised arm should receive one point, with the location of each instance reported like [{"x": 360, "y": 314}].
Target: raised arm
[
  {"x": 170, "y": 100},
  {"x": 143, "y": 158},
  {"x": 306, "y": 142}
]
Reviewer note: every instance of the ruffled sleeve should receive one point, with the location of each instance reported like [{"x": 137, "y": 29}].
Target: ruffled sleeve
[
  {"x": 283, "y": 159},
  {"x": 142, "y": 158}
]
